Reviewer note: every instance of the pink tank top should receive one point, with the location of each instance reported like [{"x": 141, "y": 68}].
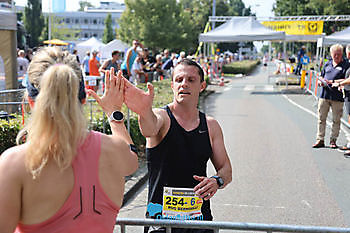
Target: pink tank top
[{"x": 87, "y": 209}]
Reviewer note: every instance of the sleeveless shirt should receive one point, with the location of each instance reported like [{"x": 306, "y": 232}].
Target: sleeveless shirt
[
  {"x": 87, "y": 209},
  {"x": 131, "y": 61},
  {"x": 173, "y": 162}
]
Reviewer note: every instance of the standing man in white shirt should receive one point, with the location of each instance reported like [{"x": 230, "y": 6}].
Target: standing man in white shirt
[{"x": 22, "y": 64}]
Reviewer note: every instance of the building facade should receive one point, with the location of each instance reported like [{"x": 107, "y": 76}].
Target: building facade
[{"x": 90, "y": 22}]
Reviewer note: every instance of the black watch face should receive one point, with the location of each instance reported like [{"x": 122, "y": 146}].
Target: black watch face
[{"x": 118, "y": 116}]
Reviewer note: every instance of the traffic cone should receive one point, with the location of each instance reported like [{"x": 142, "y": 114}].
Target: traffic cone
[{"x": 222, "y": 80}]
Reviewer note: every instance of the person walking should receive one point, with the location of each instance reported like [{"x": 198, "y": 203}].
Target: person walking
[
  {"x": 330, "y": 97},
  {"x": 301, "y": 54},
  {"x": 180, "y": 141},
  {"x": 65, "y": 178}
]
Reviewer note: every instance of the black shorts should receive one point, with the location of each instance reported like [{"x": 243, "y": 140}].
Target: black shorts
[{"x": 125, "y": 74}]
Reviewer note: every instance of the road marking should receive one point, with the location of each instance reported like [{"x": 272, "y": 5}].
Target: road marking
[
  {"x": 227, "y": 89},
  {"x": 254, "y": 206},
  {"x": 269, "y": 88},
  {"x": 249, "y": 87},
  {"x": 306, "y": 203}
]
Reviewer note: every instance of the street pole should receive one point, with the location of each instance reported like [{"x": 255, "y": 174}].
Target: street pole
[
  {"x": 214, "y": 12},
  {"x": 49, "y": 33}
]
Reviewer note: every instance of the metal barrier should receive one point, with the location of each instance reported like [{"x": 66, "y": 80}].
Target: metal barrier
[{"x": 217, "y": 226}]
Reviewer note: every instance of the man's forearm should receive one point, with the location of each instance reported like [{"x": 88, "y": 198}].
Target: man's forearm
[
  {"x": 226, "y": 174},
  {"x": 148, "y": 124}
]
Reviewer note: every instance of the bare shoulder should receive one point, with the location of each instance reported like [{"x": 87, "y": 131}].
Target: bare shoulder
[
  {"x": 12, "y": 162},
  {"x": 213, "y": 126}
]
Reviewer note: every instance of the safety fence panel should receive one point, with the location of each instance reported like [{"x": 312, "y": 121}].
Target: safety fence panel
[
  {"x": 217, "y": 226},
  {"x": 311, "y": 82}
]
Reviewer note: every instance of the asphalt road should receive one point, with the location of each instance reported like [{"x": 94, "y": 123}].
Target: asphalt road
[{"x": 277, "y": 177}]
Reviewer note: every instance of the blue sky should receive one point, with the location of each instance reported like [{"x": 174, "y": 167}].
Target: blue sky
[{"x": 262, "y": 8}]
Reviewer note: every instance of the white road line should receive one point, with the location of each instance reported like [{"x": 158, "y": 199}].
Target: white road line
[
  {"x": 227, "y": 89},
  {"x": 306, "y": 203},
  {"x": 269, "y": 88},
  {"x": 254, "y": 206},
  {"x": 249, "y": 87},
  {"x": 315, "y": 115}
]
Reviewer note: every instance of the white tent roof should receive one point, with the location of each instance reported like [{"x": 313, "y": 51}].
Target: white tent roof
[
  {"x": 241, "y": 29},
  {"x": 88, "y": 45},
  {"x": 106, "y": 51},
  {"x": 342, "y": 37}
]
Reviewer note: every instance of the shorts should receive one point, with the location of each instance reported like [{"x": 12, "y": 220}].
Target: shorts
[{"x": 125, "y": 74}]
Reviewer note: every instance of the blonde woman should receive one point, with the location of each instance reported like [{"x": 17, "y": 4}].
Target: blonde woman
[{"x": 65, "y": 178}]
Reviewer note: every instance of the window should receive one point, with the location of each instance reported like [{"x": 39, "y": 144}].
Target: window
[
  {"x": 76, "y": 21},
  {"x": 95, "y": 21},
  {"x": 86, "y": 35},
  {"x": 67, "y": 20},
  {"x": 95, "y": 35},
  {"x": 86, "y": 21}
]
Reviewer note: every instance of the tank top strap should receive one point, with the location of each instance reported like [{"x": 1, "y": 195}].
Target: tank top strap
[{"x": 203, "y": 121}]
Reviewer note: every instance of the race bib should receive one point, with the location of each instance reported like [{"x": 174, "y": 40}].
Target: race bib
[{"x": 181, "y": 204}]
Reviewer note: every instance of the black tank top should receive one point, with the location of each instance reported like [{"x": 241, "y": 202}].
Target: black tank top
[{"x": 180, "y": 155}]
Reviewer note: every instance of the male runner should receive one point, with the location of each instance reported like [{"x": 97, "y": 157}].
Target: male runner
[{"x": 180, "y": 141}]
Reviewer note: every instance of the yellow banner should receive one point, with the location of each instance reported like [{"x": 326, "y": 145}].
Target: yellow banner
[{"x": 296, "y": 27}]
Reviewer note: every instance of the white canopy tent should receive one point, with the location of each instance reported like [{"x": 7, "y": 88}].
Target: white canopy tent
[
  {"x": 342, "y": 37},
  {"x": 241, "y": 29},
  {"x": 106, "y": 51},
  {"x": 88, "y": 45}
]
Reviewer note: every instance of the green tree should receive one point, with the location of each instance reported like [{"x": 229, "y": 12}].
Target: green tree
[
  {"x": 157, "y": 23},
  {"x": 83, "y": 4},
  {"x": 108, "y": 33},
  {"x": 33, "y": 21}
]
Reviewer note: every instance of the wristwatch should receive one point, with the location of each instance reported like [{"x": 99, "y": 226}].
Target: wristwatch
[
  {"x": 219, "y": 180},
  {"x": 116, "y": 116}
]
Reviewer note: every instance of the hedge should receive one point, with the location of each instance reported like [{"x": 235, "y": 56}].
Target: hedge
[
  {"x": 8, "y": 133},
  {"x": 241, "y": 67}
]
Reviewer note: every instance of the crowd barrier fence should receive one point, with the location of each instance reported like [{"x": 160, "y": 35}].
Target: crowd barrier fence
[{"x": 217, "y": 226}]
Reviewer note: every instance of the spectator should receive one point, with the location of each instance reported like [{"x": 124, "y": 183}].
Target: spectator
[
  {"x": 166, "y": 56},
  {"x": 157, "y": 67},
  {"x": 346, "y": 85},
  {"x": 301, "y": 54},
  {"x": 181, "y": 57},
  {"x": 130, "y": 57},
  {"x": 168, "y": 65},
  {"x": 85, "y": 64},
  {"x": 330, "y": 97},
  {"x": 22, "y": 64},
  {"x": 29, "y": 54},
  {"x": 65, "y": 178},
  {"x": 112, "y": 62},
  {"x": 75, "y": 53},
  {"x": 94, "y": 66},
  {"x": 137, "y": 73}
]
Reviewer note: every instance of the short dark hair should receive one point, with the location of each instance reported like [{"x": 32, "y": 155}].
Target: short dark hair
[
  {"x": 115, "y": 52},
  {"x": 189, "y": 62}
]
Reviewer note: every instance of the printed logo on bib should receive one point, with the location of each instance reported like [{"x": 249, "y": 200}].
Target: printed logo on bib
[{"x": 181, "y": 204}]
